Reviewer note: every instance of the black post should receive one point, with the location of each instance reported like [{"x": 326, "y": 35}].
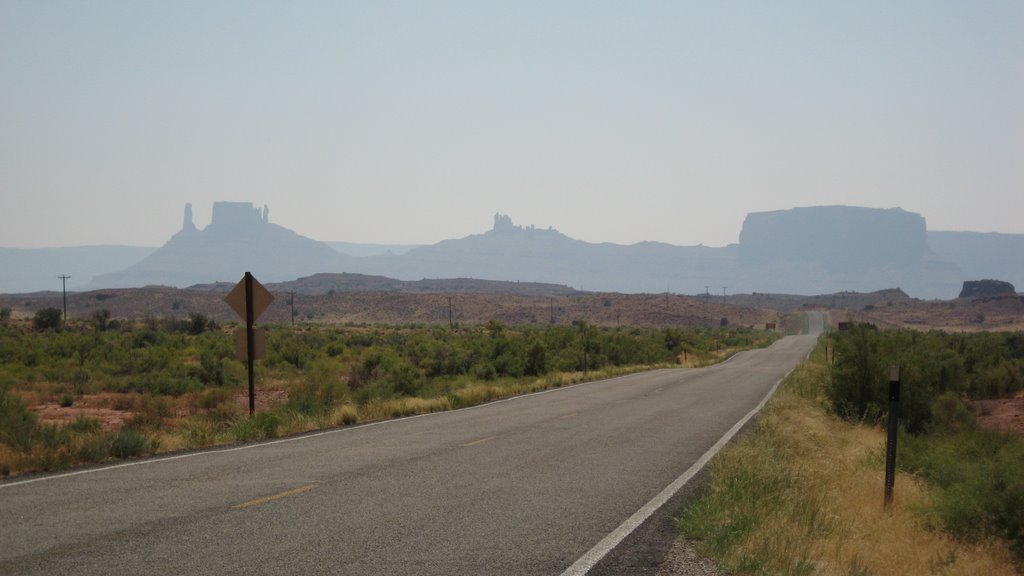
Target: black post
[
  {"x": 293, "y": 307},
  {"x": 890, "y": 445},
  {"x": 451, "y": 320},
  {"x": 250, "y": 343}
]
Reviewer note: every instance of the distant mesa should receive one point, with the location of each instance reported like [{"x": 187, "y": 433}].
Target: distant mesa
[
  {"x": 814, "y": 250},
  {"x": 810, "y": 250},
  {"x": 987, "y": 289},
  {"x": 822, "y": 249},
  {"x": 239, "y": 239},
  {"x": 836, "y": 238}
]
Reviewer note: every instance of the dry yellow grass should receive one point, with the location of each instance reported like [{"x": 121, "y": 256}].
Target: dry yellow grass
[
  {"x": 9, "y": 460},
  {"x": 844, "y": 475}
]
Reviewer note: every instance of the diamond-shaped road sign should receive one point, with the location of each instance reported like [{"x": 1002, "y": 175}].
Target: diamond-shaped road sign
[{"x": 261, "y": 299}]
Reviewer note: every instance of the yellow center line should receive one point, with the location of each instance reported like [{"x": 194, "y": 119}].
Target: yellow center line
[
  {"x": 480, "y": 441},
  {"x": 273, "y": 497}
]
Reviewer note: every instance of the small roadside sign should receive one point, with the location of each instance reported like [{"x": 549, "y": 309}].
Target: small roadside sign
[
  {"x": 259, "y": 344},
  {"x": 249, "y": 299}
]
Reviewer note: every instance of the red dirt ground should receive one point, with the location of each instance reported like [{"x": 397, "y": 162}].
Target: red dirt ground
[
  {"x": 1005, "y": 414},
  {"x": 53, "y": 413}
]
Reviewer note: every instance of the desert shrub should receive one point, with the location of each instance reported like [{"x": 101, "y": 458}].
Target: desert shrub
[
  {"x": 19, "y": 426},
  {"x": 980, "y": 474},
  {"x": 998, "y": 380},
  {"x": 951, "y": 414},
  {"x": 291, "y": 349},
  {"x": 129, "y": 443},
  {"x": 152, "y": 410},
  {"x": 485, "y": 371},
  {"x": 212, "y": 398},
  {"x": 101, "y": 319},
  {"x": 197, "y": 323},
  {"x": 305, "y": 400},
  {"x": 84, "y": 425},
  {"x": 267, "y": 424},
  {"x": 536, "y": 360},
  {"x": 258, "y": 427},
  {"x": 147, "y": 337},
  {"x": 47, "y": 319},
  {"x": 211, "y": 367},
  {"x": 90, "y": 446}
]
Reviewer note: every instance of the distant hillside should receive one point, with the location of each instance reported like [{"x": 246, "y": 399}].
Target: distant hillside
[
  {"x": 981, "y": 256},
  {"x": 35, "y": 269},
  {"x": 320, "y": 284},
  {"x": 401, "y": 308},
  {"x": 528, "y": 254},
  {"x": 360, "y": 250}
]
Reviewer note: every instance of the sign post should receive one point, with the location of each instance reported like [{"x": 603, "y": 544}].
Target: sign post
[
  {"x": 890, "y": 445},
  {"x": 249, "y": 299}
]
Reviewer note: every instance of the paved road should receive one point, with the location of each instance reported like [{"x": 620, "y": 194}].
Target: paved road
[{"x": 523, "y": 486}]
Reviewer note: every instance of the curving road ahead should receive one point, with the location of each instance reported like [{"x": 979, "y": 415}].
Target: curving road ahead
[{"x": 524, "y": 486}]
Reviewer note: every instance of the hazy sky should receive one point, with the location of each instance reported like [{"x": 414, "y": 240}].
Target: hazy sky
[{"x": 413, "y": 122}]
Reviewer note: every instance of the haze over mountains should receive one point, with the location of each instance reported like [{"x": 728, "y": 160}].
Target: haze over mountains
[{"x": 813, "y": 250}]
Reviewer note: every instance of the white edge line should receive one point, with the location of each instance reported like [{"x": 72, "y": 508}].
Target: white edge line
[{"x": 590, "y": 559}]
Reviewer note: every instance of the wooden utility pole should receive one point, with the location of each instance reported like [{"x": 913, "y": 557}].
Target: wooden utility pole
[{"x": 64, "y": 288}]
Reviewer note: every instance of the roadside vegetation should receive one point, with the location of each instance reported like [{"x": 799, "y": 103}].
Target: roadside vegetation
[
  {"x": 803, "y": 493},
  {"x": 177, "y": 385}
]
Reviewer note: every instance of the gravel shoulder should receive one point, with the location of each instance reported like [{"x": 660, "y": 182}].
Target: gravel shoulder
[{"x": 683, "y": 560}]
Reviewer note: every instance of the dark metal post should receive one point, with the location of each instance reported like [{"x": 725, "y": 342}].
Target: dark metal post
[
  {"x": 890, "y": 445},
  {"x": 293, "y": 307},
  {"x": 451, "y": 319},
  {"x": 250, "y": 343}
]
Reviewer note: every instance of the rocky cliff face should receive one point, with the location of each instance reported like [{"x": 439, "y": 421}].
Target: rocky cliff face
[
  {"x": 828, "y": 249},
  {"x": 986, "y": 288},
  {"x": 836, "y": 238}
]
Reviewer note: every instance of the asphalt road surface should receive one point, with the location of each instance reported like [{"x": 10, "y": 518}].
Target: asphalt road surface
[{"x": 523, "y": 486}]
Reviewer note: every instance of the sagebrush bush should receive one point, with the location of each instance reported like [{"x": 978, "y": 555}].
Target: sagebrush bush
[{"x": 129, "y": 443}]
